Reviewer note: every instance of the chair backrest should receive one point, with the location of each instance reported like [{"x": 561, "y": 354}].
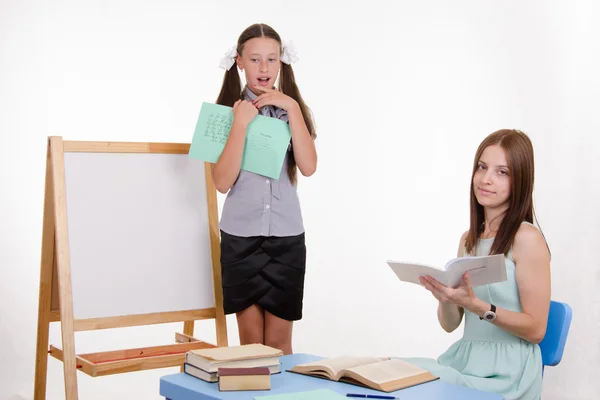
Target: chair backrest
[{"x": 553, "y": 345}]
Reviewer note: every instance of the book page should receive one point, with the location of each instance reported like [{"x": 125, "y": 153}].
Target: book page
[
  {"x": 482, "y": 270},
  {"x": 267, "y": 141},
  {"x": 336, "y": 364},
  {"x": 386, "y": 371},
  {"x": 410, "y": 272},
  {"x": 216, "y": 130}
]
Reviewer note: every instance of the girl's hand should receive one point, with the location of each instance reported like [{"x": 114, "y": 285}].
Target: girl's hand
[
  {"x": 273, "y": 98},
  {"x": 244, "y": 112},
  {"x": 462, "y": 295}
]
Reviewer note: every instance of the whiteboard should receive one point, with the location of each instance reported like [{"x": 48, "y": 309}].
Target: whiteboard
[{"x": 138, "y": 234}]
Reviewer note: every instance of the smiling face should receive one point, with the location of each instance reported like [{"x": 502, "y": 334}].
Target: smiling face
[
  {"x": 491, "y": 180},
  {"x": 260, "y": 61}
]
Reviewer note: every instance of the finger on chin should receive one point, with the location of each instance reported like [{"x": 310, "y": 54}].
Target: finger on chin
[{"x": 262, "y": 89}]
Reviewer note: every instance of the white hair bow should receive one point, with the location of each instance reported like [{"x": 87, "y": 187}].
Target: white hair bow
[
  {"x": 228, "y": 59},
  {"x": 288, "y": 55}
]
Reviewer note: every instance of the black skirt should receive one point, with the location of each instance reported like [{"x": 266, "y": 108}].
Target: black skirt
[{"x": 268, "y": 271}]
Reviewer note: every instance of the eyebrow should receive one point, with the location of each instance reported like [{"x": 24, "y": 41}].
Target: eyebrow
[
  {"x": 256, "y": 54},
  {"x": 499, "y": 166}
]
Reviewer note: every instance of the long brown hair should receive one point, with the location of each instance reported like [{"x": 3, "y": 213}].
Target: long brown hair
[
  {"x": 519, "y": 154},
  {"x": 231, "y": 89}
]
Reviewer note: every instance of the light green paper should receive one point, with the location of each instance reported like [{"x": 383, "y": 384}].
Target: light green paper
[
  {"x": 321, "y": 394},
  {"x": 267, "y": 140}
]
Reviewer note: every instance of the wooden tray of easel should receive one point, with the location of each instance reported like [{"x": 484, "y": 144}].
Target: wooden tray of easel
[{"x": 131, "y": 360}]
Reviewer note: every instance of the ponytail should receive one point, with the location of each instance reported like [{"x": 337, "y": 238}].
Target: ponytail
[
  {"x": 287, "y": 85},
  {"x": 231, "y": 89}
]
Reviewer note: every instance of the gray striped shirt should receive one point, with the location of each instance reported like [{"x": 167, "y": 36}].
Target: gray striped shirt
[{"x": 261, "y": 206}]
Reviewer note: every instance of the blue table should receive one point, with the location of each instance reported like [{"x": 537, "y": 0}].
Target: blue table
[{"x": 184, "y": 387}]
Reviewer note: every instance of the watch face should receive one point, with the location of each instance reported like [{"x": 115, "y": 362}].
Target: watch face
[{"x": 490, "y": 316}]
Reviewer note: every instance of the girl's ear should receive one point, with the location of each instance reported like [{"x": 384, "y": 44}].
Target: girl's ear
[{"x": 238, "y": 60}]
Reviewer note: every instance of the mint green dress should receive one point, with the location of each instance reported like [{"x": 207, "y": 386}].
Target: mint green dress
[{"x": 487, "y": 357}]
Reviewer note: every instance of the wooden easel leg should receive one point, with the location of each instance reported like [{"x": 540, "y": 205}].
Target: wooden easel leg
[
  {"x": 221, "y": 323},
  {"x": 215, "y": 248},
  {"x": 63, "y": 267},
  {"x": 188, "y": 329},
  {"x": 45, "y": 296}
]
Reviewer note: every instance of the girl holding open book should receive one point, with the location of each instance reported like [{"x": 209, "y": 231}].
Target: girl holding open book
[
  {"x": 263, "y": 252},
  {"x": 504, "y": 322}
]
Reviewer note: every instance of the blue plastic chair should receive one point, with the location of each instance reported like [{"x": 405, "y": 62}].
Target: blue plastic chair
[{"x": 553, "y": 344}]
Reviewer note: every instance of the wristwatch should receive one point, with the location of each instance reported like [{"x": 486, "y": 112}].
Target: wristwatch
[{"x": 490, "y": 315}]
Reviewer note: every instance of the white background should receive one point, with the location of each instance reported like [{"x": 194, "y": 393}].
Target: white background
[{"x": 402, "y": 92}]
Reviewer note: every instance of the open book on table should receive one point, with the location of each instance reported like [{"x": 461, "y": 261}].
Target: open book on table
[
  {"x": 482, "y": 270},
  {"x": 384, "y": 374}
]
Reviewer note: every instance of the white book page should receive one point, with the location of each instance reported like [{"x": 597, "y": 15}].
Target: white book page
[
  {"x": 336, "y": 364},
  {"x": 387, "y": 371},
  {"x": 482, "y": 270},
  {"x": 410, "y": 272}
]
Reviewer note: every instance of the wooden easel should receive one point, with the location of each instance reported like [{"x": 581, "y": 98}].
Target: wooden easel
[{"x": 55, "y": 295}]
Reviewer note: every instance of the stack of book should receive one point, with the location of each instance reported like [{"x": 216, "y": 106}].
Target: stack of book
[{"x": 205, "y": 363}]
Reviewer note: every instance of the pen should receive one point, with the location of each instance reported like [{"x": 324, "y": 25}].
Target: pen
[{"x": 370, "y": 396}]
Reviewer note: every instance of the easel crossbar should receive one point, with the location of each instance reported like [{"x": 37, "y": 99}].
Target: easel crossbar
[{"x": 143, "y": 319}]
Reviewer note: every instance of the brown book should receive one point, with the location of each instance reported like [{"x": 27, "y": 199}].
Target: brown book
[
  {"x": 258, "y": 378},
  {"x": 384, "y": 374},
  {"x": 199, "y": 373}
]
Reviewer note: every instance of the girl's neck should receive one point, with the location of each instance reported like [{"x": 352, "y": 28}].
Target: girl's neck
[
  {"x": 492, "y": 220},
  {"x": 249, "y": 89}
]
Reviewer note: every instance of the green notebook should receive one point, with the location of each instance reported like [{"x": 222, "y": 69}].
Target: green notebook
[
  {"x": 321, "y": 394},
  {"x": 267, "y": 140}
]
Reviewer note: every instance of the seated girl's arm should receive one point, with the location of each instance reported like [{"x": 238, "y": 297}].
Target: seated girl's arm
[
  {"x": 449, "y": 314},
  {"x": 532, "y": 261},
  {"x": 226, "y": 170}
]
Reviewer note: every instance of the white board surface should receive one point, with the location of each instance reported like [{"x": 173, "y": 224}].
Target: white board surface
[{"x": 138, "y": 234}]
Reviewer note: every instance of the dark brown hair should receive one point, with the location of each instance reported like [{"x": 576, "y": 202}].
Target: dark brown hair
[
  {"x": 519, "y": 154},
  {"x": 231, "y": 90}
]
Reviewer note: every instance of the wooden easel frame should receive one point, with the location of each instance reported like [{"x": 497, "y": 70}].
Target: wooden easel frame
[{"x": 55, "y": 295}]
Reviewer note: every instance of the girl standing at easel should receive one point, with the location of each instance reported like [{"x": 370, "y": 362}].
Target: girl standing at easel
[{"x": 263, "y": 252}]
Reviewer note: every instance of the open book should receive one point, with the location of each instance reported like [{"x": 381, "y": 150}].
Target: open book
[
  {"x": 384, "y": 374},
  {"x": 482, "y": 270}
]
